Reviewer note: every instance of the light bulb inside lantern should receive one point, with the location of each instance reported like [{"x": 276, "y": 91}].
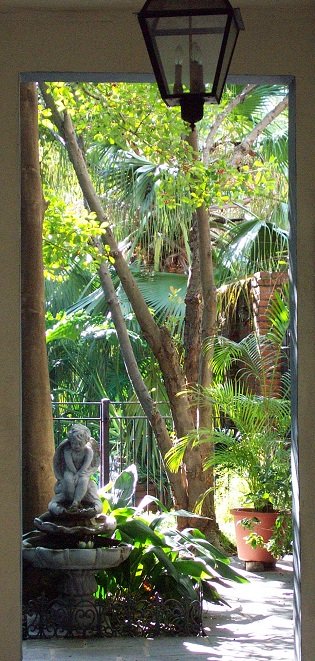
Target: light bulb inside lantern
[
  {"x": 178, "y": 84},
  {"x": 196, "y": 69}
]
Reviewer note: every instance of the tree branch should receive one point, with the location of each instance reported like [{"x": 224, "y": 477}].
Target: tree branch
[
  {"x": 246, "y": 144},
  {"x": 209, "y": 143}
]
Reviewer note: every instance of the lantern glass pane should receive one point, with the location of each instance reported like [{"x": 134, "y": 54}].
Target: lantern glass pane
[
  {"x": 187, "y": 50},
  {"x": 232, "y": 37}
]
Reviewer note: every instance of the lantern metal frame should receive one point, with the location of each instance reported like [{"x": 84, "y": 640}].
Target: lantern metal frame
[{"x": 191, "y": 102}]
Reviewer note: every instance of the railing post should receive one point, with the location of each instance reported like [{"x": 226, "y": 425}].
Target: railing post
[{"x": 104, "y": 442}]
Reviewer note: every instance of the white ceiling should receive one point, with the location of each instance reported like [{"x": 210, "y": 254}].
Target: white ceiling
[{"x": 132, "y": 5}]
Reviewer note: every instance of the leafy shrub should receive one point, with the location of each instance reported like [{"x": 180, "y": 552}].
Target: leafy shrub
[{"x": 164, "y": 560}]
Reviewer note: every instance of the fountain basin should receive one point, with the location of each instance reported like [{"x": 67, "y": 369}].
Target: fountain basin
[{"x": 92, "y": 559}]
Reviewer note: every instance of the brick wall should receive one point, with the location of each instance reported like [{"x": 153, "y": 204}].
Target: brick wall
[{"x": 263, "y": 286}]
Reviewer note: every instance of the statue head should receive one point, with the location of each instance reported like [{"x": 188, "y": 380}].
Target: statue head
[{"x": 78, "y": 436}]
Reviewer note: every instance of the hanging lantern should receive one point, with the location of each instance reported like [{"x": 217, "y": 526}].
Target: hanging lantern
[{"x": 190, "y": 44}]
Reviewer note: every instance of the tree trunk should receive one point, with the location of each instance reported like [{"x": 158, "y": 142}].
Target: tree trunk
[
  {"x": 193, "y": 314},
  {"x": 37, "y": 422},
  {"x": 201, "y": 480},
  {"x": 177, "y": 480}
]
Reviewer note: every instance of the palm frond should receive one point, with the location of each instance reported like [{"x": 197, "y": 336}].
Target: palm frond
[
  {"x": 280, "y": 215},
  {"x": 136, "y": 184},
  {"x": 252, "y": 245},
  {"x": 165, "y": 294},
  {"x": 259, "y": 101},
  {"x": 275, "y": 145},
  {"x": 278, "y": 315},
  {"x": 248, "y": 355},
  {"x": 249, "y": 413}
]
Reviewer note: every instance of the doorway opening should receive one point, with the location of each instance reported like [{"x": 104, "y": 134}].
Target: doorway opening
[{"x": 154, "y": 249}]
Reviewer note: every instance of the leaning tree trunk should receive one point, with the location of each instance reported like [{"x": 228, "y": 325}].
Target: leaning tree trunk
[{"x": 37, "y": 422}]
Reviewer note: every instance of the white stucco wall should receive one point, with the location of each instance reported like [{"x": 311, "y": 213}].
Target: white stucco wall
[{"x": 276, "y": 42}]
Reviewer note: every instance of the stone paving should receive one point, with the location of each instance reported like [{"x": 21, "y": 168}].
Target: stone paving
[{"x": 256, "y": 625}]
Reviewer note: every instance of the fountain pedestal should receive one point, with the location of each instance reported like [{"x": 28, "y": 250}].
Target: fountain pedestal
[
  {"x": 72, "y": 541},
  {"x": 75, "y": 611}
]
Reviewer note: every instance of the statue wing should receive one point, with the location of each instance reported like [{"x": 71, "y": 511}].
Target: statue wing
[
  {"x": 58, "y": 461},
  {"x": 96, "y": 453}
]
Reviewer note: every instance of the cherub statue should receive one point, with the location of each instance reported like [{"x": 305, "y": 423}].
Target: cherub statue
[{"x": 75, "y": 460}]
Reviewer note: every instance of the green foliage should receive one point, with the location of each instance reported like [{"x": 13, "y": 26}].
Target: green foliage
[
  {"x": 278, "y": 315},
  {"x": 258, "y": 452},
  {"x": 134, "y": 147},
  {"x": 250, "y": 243},
  {"x": 165, "y": 295},
  {"x": 281, "y": 539},
  {"x": 122, "y": 490},
  {"x": 150, "y": 181},
  {"x": 67, "y": 326},
  {"x": 164, "y": 560},
  {"x": 68, "y": 237},
  {"x": 253, "y": 440},
  {"x": 154, "y": 212},
  {"x": 150, "y": 184}
]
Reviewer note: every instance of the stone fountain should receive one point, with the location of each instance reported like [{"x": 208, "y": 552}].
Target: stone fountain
[{"x": 73, "y": 538}]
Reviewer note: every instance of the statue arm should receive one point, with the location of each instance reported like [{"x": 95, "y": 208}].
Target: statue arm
[
  {"x": 87, "y": 461},
  {"x": 69, "y": 461}
]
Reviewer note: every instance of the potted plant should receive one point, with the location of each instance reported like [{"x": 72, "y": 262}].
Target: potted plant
[
  {"x": 251, "y": 438},
  {"x": 253, "y": 442}
]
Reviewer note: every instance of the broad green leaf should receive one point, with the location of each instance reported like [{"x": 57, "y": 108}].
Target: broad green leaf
[
  {"x": 137, "y": 530},
  {"x": 196, "y": 568}
]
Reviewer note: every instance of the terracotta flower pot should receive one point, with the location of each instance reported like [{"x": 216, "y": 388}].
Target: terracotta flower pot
[{"x": 263, "y": 528}]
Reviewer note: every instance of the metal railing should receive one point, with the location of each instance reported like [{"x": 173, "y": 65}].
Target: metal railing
[{"x": 124, "y": 437}]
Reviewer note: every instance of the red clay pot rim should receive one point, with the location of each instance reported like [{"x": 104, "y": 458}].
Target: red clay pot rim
[{"x": 252, "y": 509}]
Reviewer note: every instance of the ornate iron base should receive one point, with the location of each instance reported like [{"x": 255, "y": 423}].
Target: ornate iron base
[{"x": 119, "y": 615}]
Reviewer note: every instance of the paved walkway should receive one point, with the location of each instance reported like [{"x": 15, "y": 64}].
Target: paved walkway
[{"x": 257, "y": 626}]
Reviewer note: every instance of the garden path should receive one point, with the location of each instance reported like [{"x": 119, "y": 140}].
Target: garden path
[{"x": 257, "y": 625}]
